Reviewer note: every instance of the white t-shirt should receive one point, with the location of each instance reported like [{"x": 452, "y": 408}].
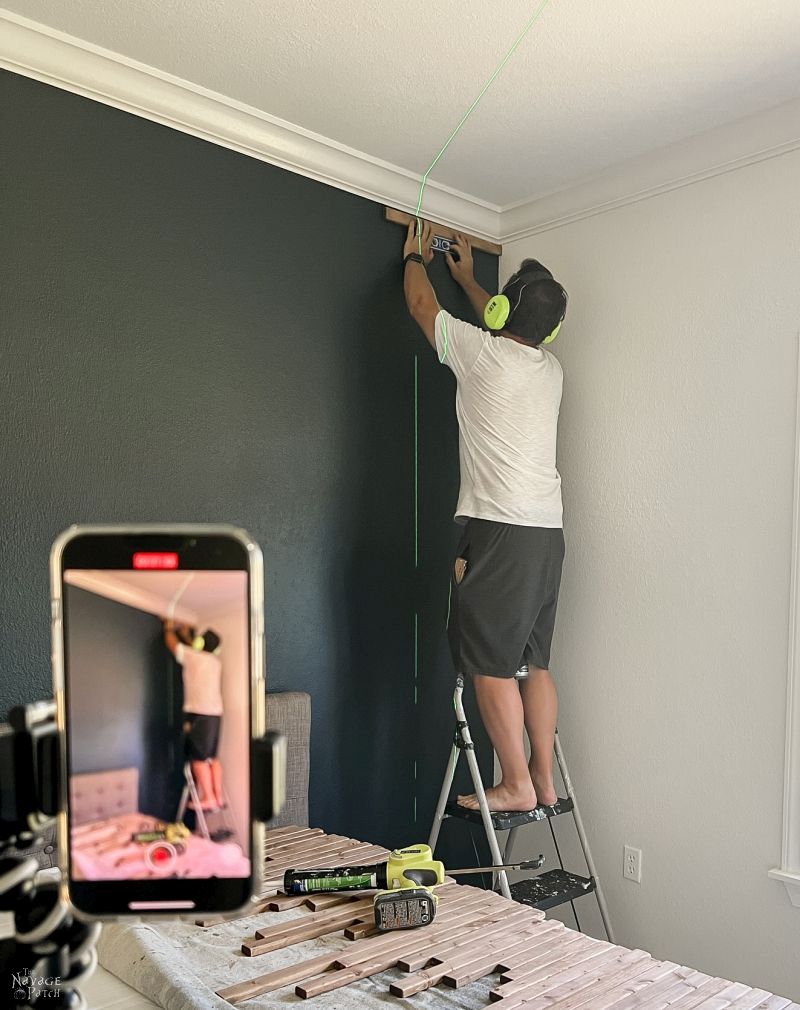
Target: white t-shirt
[
  {"x": 507, "y": 401},
  {"x": 202, "y": 680}
]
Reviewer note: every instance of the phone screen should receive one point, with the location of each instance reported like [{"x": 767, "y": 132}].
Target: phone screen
[{"x": 157, "y": 700}]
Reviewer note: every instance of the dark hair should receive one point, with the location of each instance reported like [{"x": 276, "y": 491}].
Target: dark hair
[
  {"x": 542, "y": 306},
  {"x": 211, "y": 641},
  {"x": 528, "y": 266}
]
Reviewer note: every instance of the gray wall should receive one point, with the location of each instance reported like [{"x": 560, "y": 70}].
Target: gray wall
[
  {"x": 189, "y": 334},
  {"x": 677, "y": 448}
]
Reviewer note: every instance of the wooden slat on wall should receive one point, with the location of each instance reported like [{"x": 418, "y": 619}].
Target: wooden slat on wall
[{"x": 400, "y": 217}]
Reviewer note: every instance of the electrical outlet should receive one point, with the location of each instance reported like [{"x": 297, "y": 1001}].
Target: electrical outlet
[{"x": 632, "y": 864}]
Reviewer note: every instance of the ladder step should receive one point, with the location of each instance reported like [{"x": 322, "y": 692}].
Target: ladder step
[
  {"x": 546, "y": 890},
  {"x": 512, "y": 819}
]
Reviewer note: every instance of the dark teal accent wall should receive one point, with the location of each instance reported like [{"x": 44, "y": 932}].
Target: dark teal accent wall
[{"x": 188, "y": 334}]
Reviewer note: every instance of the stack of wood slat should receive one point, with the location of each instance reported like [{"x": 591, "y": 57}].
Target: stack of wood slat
[{"x": 542, "y": 965}]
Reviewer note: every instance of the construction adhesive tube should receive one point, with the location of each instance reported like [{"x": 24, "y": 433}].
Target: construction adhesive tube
[{"x": 337, "y": 878}]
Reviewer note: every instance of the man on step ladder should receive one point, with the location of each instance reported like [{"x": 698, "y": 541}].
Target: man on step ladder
[
  {"x": 507, "y": 570},
  {"x": 198, "y": 656}
]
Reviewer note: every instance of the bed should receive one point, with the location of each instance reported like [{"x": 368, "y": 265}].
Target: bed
[{"x": 105, "y": 817}]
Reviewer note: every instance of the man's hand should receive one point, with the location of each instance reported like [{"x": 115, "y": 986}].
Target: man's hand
[
  {"x": 414, "y": 241},
  {"x": 461, "y": 268}
]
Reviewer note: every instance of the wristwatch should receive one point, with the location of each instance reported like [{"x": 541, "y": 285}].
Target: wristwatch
[{"x": 415, "y": 258}]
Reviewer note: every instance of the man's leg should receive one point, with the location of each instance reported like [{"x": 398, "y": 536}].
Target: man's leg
[
  {"x": 540, "y": 704},
  {"x": 501, "y": 709},
  {"x": 202, "y": 776},
  {"x": 216, "y": 776}
]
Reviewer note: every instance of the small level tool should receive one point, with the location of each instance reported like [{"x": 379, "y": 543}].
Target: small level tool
[{"x": 405, "y": 898}]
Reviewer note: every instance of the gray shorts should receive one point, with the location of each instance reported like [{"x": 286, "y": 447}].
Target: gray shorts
[{"x": 503, "y": 597}]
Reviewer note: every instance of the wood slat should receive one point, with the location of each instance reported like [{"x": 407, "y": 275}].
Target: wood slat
[
  {"x": 757, "y": 998},
  {"x": 216, "y": 920},
  {"x": 319, "y": 902},
  {"x": 543, "y": 964},
  {"x": 485, "y": 964},
  {"x": 653, "y": 971},
  {"x": 362, "y": 969},
  {"x": 584, "y": 989},
  {"x": 287, "y": 847},
  {"x": 352, "y": 908},
  {"x": 272, "y": 980},
  {"x": 440, "y": 950},
  {"x": 681, "y": 983},
  {"x": 400, "y": 217},
  {"x": 268, "y": 940},
  {"x": 361, "y": 929},
  {"x": 286, "y": 856},
  {"x": 521, "y": 964},
  {"x": 525, "y": 967},
  {"x": 360, "y": 950},
  {"x": 553, "y": 974},
  {"x": 497, "y": 939},
  {"x": 277, "y": 835},
  {"x": 325, "y": 857}
]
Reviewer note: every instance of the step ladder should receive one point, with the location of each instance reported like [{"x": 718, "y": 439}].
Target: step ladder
[
  {"x": 545, "y": 890},
  {"x": 213, "y": 825},
  {"x": 190, "y": 792}
]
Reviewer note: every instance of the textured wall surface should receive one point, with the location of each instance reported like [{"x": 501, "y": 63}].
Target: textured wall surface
[
  {"x": 677, "y": 453},
  {"x": 192, "y": 335}
]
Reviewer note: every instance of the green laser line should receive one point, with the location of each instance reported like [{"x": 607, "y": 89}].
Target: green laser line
[
  {"x": 464, "y": 118},
  {"x": 416, "y": 654},
  {"x": 423, "y": 183},
  {"x": 474, "y": 105}
]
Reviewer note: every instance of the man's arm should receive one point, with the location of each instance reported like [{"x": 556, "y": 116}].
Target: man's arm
[
  {"x": 171, "y": 640},
  {"x": 462, "y": 270},
  {"x": 420, "y": 296}
]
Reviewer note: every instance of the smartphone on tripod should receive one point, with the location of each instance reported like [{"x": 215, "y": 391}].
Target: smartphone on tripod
[{"x": 158, "y": 665}]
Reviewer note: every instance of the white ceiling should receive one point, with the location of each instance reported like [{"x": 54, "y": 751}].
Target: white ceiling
[
  {"x": 594, "y": 84},
  {"x": 203, "y": 596}
]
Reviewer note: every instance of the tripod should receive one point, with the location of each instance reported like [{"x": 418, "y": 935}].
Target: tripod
[{"x": 51, "y": 953}]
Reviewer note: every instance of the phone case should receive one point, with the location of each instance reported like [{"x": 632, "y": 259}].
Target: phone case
[{"x": 257, "y": 681}]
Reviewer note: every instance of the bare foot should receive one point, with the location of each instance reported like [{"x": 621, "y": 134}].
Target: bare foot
[
  {"x": 501, "y": 798},
  {"x": 545, "y": 790}
]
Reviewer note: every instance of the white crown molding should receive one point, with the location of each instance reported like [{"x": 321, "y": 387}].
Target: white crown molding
[
  {"x": 38, "y": 51},
  {"x": 723, "y": 149}
]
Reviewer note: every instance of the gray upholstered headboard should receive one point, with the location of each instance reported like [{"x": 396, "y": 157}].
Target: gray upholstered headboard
[
  {"x": 98, "y": 795},
  {"x": 287, "y": 712}
]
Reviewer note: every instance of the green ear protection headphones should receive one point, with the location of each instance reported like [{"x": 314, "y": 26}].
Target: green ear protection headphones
[
  {"x": 498, "y": 309},
  {"x": 199, "y": 643}
]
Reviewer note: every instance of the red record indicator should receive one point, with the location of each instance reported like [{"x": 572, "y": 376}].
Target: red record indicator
[
  {"x": 161, "y": 857},
  {"x": 155, "y": 561}
]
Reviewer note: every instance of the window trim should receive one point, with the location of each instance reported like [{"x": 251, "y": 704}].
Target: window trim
[{"x": 789, "y": 870}]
